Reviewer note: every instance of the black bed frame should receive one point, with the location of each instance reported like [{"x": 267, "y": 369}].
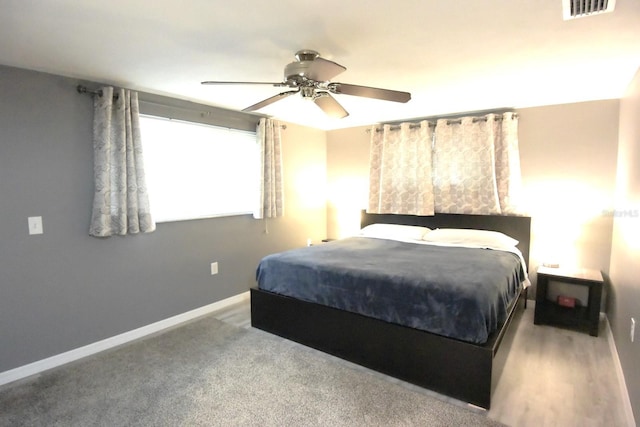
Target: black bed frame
[{"x": 458, "y": 369}]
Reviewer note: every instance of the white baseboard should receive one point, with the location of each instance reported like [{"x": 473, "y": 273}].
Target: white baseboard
[
  {"x": 626, "y": 401},
  {"x": 108, "y": 343}
]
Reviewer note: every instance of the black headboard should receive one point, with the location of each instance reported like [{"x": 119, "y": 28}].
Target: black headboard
[{"x": 518, "y": 227}]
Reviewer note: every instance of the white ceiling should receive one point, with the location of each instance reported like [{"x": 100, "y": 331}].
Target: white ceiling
[{"x": 453, "y": 56}]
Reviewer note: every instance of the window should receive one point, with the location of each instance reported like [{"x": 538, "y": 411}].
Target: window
[{"x": 195, "y": 170}]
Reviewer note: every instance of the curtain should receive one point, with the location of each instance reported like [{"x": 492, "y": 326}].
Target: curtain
[
  {"x": 120, "y": 203},
  {"x": 271, "y": 199},
  {"x": 470, "y": 165},
  {"x": 476, "y": 166},
  {"x": 508, "y": 175},
  {"x": 400, "y": 170}
]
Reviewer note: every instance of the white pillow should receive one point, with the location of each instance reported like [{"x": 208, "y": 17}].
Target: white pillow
[
  {"x": 394, "y": 231},
  {"x": 470, "y": 237}
]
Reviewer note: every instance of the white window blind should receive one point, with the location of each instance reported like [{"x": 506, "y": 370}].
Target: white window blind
[{"x": 195, "y": 170}]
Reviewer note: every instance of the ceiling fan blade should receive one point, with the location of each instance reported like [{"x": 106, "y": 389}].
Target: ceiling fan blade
[
  {"x": 370, "y": 92},
  {"x": 212, "y": 82},
  {"x": 269, "y": 101},
  {"x": 322, "y": 70},
  {"x": 330, "y": 106}
]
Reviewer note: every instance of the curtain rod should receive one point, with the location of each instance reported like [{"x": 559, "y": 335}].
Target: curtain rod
[
  {"x": 83, "y": 90},
  {"x": 449, "y": 122}
]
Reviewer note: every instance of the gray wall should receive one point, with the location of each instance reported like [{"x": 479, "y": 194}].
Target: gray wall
[
  {"x": 625, "y": 253},
  {"x": 64, "y": 289}
]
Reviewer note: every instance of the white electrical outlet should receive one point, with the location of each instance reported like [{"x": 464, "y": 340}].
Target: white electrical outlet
[
  {"x": 214, "y": 268},
  {"x": 633, "y": 329}
]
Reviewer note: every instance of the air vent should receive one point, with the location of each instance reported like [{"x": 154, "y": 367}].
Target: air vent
[{"x": 572, "y": 9}]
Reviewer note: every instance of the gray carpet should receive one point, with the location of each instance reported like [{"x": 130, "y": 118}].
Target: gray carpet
[{"x": 210, "y": 373}]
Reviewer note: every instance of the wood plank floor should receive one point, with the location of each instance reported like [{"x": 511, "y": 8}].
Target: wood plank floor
[{"x": 552, "y": 377}]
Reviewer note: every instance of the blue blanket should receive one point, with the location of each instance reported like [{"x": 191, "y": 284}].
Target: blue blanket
[{"x": 461, "y": 293}]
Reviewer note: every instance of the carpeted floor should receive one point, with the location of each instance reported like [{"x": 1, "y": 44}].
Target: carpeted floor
[{"x": 210, "y": 373}]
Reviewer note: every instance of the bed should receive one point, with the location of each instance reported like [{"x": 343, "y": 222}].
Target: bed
[{"x": 463, "y": 367}]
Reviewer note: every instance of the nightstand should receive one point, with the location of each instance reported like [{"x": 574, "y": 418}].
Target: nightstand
[{"x": 580, "y": 317}]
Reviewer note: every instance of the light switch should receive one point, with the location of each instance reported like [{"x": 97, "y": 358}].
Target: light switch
[{"x": 35, "y": 225}]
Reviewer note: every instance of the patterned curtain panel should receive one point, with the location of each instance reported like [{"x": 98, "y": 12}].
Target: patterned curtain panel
[
  {"x": 271, "y": 201},
  {"x": 400, "y": 170},
  {"x": 508, "y": 175},
  {"x": 476, "y": 166},
  {"x": 121, "y": 202}
]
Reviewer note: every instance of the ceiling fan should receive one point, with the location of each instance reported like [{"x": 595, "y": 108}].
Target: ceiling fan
[{"x": 309, "y": 76}]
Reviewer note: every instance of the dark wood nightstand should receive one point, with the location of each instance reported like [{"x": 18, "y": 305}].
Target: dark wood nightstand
[{"x": 583, "y": 318}]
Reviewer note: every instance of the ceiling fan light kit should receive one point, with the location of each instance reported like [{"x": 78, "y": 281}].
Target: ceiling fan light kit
[{"x": 310, "y": 75}]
